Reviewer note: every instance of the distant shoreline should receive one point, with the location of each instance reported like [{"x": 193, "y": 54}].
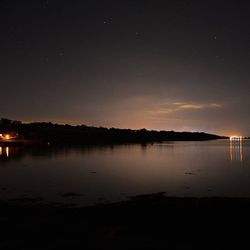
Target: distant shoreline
[{"x": 56, "y": 134}]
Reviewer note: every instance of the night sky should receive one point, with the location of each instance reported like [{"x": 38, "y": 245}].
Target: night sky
[{"x": 172, "y": 65}]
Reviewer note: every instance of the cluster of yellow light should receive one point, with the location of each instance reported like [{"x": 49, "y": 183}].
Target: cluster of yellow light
[
  {"x": 5, "y": 137},
  {"x": 236, "y": 138}
]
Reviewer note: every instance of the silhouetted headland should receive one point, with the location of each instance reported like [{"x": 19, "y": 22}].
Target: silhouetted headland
[{"x": 47, "y": 132}]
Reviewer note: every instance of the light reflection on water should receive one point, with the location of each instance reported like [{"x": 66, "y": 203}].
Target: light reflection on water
[
  {"x": 109, "y": 173},
  {"x": 5, "y": 152},
  {"x": 236, "y": 150}
]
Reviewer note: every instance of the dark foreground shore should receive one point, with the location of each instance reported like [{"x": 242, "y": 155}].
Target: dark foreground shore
[{"x": 144, "y": 222}]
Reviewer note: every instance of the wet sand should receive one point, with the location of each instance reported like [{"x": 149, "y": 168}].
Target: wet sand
[{"x": 144, "y": 222}]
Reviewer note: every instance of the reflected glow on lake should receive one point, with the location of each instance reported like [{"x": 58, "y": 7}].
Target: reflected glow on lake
[
  {"x": 112, "y": 173},
  {"x": 236, "y": 150}
]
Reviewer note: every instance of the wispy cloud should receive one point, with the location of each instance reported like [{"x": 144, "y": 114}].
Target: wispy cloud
[
  {"x": 179, "y": 106},
  {"x": 198, "y": 106}
]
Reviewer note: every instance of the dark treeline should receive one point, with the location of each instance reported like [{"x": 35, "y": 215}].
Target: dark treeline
[{"x": 45, "y": 132}]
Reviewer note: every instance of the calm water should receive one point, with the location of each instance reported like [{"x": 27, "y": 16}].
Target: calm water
[{"x": 103, "y": 174}]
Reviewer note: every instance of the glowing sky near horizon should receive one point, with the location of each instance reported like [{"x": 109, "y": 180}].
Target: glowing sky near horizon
[{"x": 171, "y": 65}]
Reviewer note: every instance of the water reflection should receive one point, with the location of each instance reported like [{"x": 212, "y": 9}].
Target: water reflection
[
  {"x": 7, "y": 151},
  {"x": 113, "y": 172},
  {"x": 236, "y": 150},
  {"x": 17, "y": 153},
  {"x": 4, "y": 152}
]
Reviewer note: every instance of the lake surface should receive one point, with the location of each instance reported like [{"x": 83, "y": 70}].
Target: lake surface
[{"x": 90, "y": 175}]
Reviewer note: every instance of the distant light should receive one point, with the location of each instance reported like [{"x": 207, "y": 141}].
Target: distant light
[
  {"x": 236, "y": 138},
  {"x": 7, "y": 137}
]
